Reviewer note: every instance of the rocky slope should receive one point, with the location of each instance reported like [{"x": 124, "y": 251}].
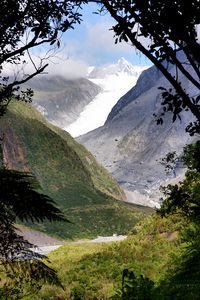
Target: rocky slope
[
  {"x": 74, "y": 105},
  {"x": 60, "y": 100},
  {"x": 130, "y": 144},
  {"x": 67, "y": 172}
]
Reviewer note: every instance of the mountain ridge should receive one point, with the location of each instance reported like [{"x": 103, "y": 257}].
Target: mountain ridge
[
  {"x": 121, "y": 66},
  {"x": 130, "y": 144},
  {"x": 61, "y": 100}
]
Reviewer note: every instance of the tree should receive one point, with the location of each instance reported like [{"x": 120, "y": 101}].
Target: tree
[
  {"x": 134, "y": 287},
  {"x": 170, "y": 27},
  {"x": 21, "y": 200},
  {"x": 25, "y": 25},
  {"x": 182, "y": 282},
  {"x": 185, "y": 196}
]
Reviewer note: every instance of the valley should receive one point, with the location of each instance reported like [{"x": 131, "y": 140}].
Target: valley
[
  {"x": 85, "y": 192},
  {"x": 95, "y": 269},
  {"x": 116, "y": 124},
  {"x": 128, "y": 144},
  {"x": 113, "y": 226},
  {"x": 131, "y": 145},
  {"x": 99, "y": 155}
]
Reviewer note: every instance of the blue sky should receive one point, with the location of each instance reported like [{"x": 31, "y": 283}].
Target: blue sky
[{"x": 93, "y": 42}]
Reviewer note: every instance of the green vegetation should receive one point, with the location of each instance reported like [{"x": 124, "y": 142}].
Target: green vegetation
[
  {"x": 163, "y": 261},
  {"x": 184, "y": 199},
  {"x": 69, "y": 174},
  {"x": 20, "y": 200},
  {"x": 159, "y": 260},
  {"x": 94, "y": 271}
]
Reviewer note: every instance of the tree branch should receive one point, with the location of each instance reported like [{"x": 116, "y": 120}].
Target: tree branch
[{"x": 122, "y": 22}]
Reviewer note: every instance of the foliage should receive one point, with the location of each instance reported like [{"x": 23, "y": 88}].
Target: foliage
[
  {"x": 135, "y": 288},
  {"x": 94, "y": 271},
  {"x": 87, "y": 196},
  {"x": 183, "y": 198},
  {"x": 24, "y": 26},
  {"x": 19, "y": 195},
  {"x": 169, "y": 28},
  {"x": 22, "y": 278},
  {"x": 170, "y": 161},
  {"x": 21, "y": 266},
  {"x": 182, "y": 282},
  {"x": 191, "y": 156}
]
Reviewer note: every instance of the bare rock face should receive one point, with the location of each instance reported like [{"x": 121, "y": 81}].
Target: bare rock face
[
  {"x": 61, "y": 100},
  {"x": 131, "y": 144}
]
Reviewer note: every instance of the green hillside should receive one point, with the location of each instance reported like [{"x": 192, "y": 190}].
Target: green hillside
[
  {"x": 94, "y": 271},
  {"x": 68, "y": 173}
]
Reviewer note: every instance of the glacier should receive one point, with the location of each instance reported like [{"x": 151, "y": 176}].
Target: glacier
[{"x": 115, "y": 80}]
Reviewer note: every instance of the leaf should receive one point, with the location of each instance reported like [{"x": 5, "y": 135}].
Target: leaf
[
  {"x": 162, "y": 88},
  {"x": 53, "y": 42},
  {"x": 174, "y": 118}
]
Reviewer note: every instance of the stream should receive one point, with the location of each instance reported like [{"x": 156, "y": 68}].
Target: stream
[{"x": 45, "y": 250}]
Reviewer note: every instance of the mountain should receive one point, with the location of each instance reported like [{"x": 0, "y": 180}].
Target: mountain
[
  {"x": 74, "y": 105},
  {"x": 115, "y": 80},
  {"x": 61, "y": 100},
  {"x": 131, "y": 144},
  {"x": 67, "y": 172},
  {"x": 121, "y": 66}
]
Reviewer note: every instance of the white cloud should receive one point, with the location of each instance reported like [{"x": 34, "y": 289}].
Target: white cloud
[
  {"x": 58, "y": 64},
  {"x": 101, "y": 37},
  {"x": 95, "y": 43},
  {"x": 68, "y": 68}
]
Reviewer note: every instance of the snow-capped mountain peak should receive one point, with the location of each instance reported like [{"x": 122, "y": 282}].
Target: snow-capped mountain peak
[
  {"x": 122, "y": 66},
  {"x": 115, "y": 80}
]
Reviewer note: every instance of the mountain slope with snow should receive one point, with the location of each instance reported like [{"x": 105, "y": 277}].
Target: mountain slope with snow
[
  {"x": 61, "y": 100},
  {"x": 81, "y": 105},
  {"x": 115, "y": 80},
  {"x": 131, "y": 144}
]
